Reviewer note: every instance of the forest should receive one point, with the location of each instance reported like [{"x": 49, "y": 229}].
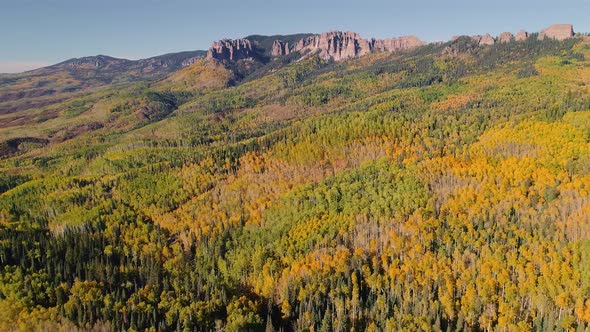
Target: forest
[{"x": 441, "y": 189}]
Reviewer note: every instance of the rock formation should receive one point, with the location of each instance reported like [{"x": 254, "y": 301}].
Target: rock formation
[
  {"x": 233, "y": 50},
  {"x": 280, "y": 48},
  {"x": 558, "y": 31},
  {"x": 339, "y": 45},
  {"x": 487, "y": 39},
  {"x": 397, "y": 44},
  {"x": 336, "y": 45},
  {"x": 522, "y": 35},
  {"x": 505, "y": 37}
]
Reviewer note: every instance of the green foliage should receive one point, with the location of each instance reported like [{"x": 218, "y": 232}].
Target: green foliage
[
  {"x": 322, "y": 95},
  {"x": 225, "y": 101},
  {"x": 425, "y": 190},
  {"x": 8, "y": 181},
  {"x": 77, "y": 107},
  {"x": 294, "y": 75},
  {"x": 527, "y": 71},
  {"x": 242, "y": 315}
]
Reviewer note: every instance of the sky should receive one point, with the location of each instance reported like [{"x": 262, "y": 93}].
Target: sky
[{"x": 43, "y": 32}]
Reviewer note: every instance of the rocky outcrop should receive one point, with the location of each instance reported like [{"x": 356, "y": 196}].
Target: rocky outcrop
[
  {"x": 558, "y": 31},
  {"x": 338, "y": 45},
  {"x": 397, "y": 44},
  {"x": 505, "y": 37},
  {"x": 486, "y": 39},
  {"x": 232, "y": 50},
  {"x": 521, "y": 35},
  {"x": 280, "y": 48}
]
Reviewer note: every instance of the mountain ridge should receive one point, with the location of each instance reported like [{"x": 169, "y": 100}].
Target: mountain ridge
[
  {"x": 244, "y": 57},
  {"x": 274, "y": 45}
]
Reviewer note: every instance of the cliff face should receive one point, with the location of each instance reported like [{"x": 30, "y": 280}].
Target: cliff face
[
  {"x": 397, "y": 44},
  {"x": 336, "y": 45},
  {"x": 522, "y": 35},
  {"x": 339, "y": 45},
  {"x": 558, "y": 31},
  {"x": 280, "y": 48},
  {"x": 486, "y": 39},
  {"x": 505, "y": 37},
  {"x": 233, "y": 50}
]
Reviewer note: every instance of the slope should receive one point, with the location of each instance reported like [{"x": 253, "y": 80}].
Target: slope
[{"x": 443, "y": 188}]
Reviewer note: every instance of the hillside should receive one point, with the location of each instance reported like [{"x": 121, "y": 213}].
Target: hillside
[{"x": 441, "y": 187}]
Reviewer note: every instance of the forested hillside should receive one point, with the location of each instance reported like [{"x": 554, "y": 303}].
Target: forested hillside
[{"x": 445, "y": 188}]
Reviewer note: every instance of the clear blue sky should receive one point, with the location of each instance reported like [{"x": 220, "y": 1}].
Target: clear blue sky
[{"x": 40, "y": 32}]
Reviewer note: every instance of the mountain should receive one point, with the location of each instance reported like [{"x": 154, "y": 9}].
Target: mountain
[
  {"x": 268, "y": 43},
  {"x": 558, "y": 31},
  {"x": 263, "y": 48},
  {"x": 335, "y": 45},
  {"x": 57, "y": 83},
  {"x": 339, "y": 45},
  {"x": 110, "y": 67},
  {"x": 348, "y": 184}
]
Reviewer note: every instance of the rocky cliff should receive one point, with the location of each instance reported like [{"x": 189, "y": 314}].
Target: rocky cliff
[
  {"x": 280, "y": 48},
  {"x": 486, "y": 39},
  {"x": 396, "y": 44},
  {"x": 233, "y": 50},
  {"x": 481, "y": 40},
  {"x": 338, "y": 45},
  {"x": 505, "y": 37},
  {"x": 522, "y": 35},
  {"x": 558, "y": 31}
]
